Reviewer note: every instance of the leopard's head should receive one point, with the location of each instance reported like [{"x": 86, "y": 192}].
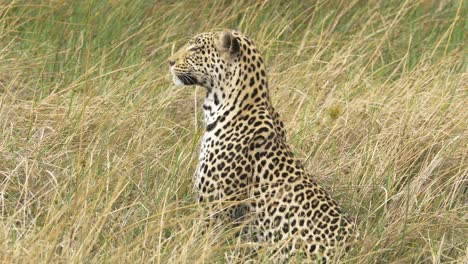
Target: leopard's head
[{"x": 206, "y": 60}]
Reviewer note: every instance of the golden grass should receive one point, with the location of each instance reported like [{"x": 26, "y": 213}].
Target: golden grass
[{"x": 98, "y": 148}]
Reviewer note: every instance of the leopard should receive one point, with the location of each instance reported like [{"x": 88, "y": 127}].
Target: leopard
[{"x": 247, "y": 172}]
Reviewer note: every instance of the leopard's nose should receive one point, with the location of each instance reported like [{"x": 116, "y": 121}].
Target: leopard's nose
[{"x": 171, "y": 63}]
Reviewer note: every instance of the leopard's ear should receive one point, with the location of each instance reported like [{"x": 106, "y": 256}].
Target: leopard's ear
[{"x": 229, "y": 43}]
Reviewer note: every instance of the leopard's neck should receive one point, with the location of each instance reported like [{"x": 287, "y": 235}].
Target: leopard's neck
[{"x": 239, "y": 93}]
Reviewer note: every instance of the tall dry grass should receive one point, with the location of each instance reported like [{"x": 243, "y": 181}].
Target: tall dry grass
[{"x": 98, "y": 148}]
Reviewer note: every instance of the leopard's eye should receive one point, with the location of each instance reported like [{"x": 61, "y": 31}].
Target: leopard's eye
[{"x": 194, "y": 48}]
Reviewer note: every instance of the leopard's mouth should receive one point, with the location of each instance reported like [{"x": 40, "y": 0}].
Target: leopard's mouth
[
  {"x": 183, "y": 79},
  {"x": 187, "y": 79}
]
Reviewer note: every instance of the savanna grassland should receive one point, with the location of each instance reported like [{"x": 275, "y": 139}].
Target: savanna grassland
[{"x": 98, "y": 148}]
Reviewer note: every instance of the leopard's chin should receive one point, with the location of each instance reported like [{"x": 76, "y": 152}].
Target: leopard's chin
[{"x": 176, "y": 80}]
